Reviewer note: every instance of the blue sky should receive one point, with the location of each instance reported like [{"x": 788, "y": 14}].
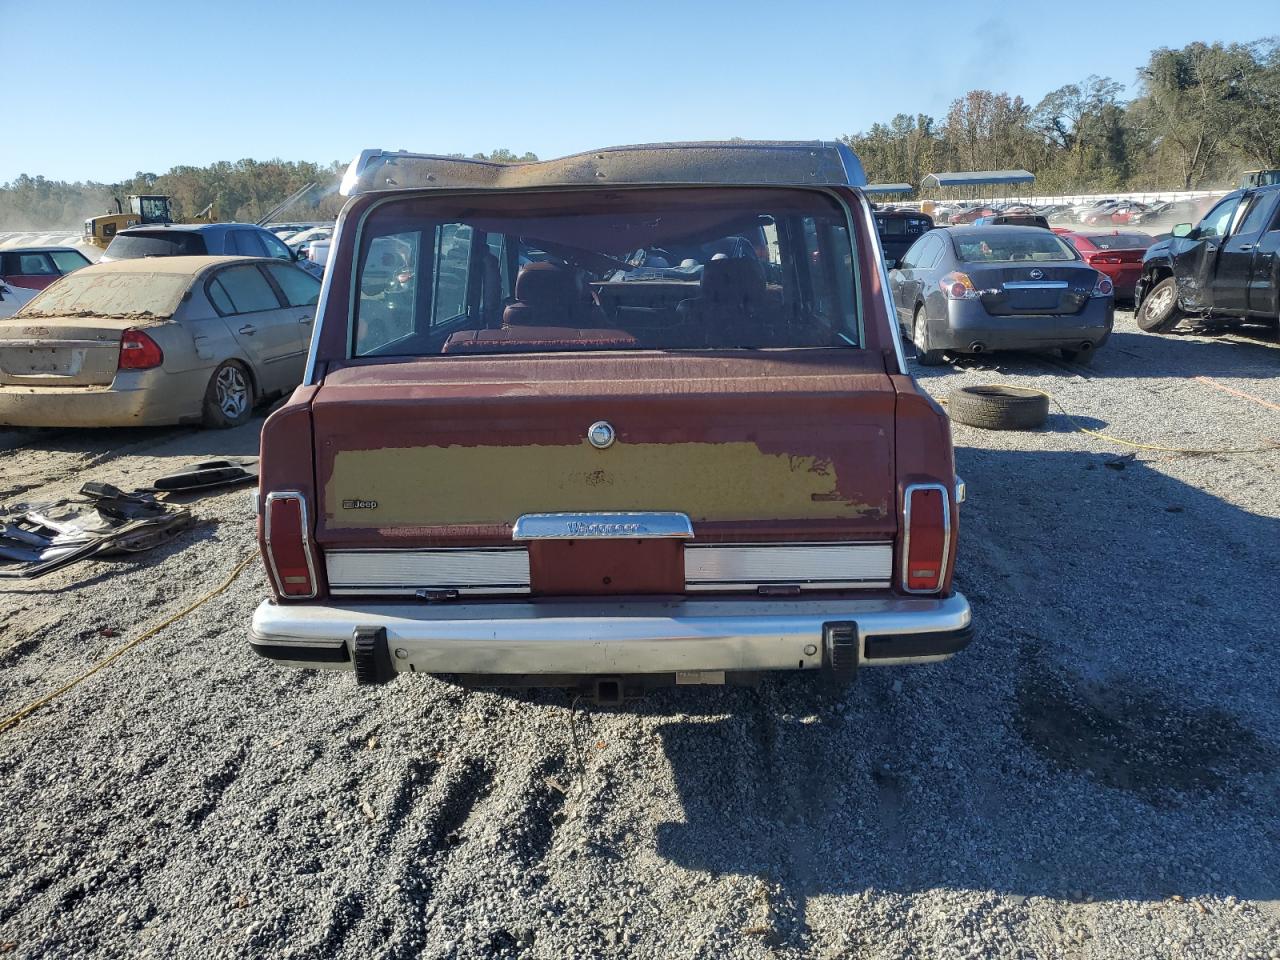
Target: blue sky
[{"x": 113, "y": 88}]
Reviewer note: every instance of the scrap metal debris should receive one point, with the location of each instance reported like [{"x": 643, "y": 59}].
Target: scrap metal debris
[{"x": 102, "y": 521}]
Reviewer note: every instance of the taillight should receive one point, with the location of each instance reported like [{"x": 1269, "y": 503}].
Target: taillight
[
  {"x": 926, "y": 541},
  {"x": 138, "y": 351},
  {"x": 1104, "y": 258},
  {"x": 958, "y": 286},
  {"x": 284, "y": 525},
  {"x": 1104, "y": 287}
]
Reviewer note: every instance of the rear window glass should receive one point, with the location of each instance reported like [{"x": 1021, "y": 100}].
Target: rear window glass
[
  {"x": 994, "y": 245},
  {"x": 1121, "y": 241},
  {"x": 91, "y": 293},
  {"x": 670, "y": 269},
  {"x": 156, "y": 243}
]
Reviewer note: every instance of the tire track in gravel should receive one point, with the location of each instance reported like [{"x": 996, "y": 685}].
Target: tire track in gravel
[
  {"x": 448, "y": 806},
  {"x": 214, "y": 786}
]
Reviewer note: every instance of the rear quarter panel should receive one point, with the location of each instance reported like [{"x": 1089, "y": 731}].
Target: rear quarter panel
[{"x": 924, "y": 455}]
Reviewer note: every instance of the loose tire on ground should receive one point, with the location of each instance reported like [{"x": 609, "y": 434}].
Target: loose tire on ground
[
  {"x": 998, "y": 408},
  {"x": 228, "y": 400},
  {"x": 920, "y": 337},
  {"x": 1160, "y": 312}
]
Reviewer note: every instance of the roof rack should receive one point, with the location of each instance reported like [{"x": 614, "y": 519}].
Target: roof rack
[{"x": 736, "y": 162}]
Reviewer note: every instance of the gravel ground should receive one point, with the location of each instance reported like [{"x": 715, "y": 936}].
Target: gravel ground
[{"x": 1096, "y": 777}]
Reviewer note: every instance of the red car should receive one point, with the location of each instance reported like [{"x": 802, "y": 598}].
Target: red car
[
  {"x": 1116, "y": 254},
  {"x": 1121, "y": 214},
  {"x": 972, "y": 214},
  {"x": 37, "y": 267}
]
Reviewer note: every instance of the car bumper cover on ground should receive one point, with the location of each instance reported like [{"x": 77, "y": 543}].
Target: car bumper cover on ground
[{"x": 621, "y": 637}]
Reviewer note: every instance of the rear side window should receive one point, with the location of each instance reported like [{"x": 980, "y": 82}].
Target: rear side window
[
  {"x": 453, "y": 269},
  {"x": 157, "y": 243},
  {"x": 68, "y": 260},
  {"x": 247, "y": 243},
  {"x": 1255, "y": 221},
  {"x": 649, "y": 269},
  {"x": 923, "y": 255},
  {"x": 245, "y": 288},
  {"x": 300, "y": 289}
]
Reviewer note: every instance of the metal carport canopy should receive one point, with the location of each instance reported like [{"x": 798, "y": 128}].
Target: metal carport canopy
[
  {"x": 878, "y": 188},
  {"x": 976, "y": 178}
]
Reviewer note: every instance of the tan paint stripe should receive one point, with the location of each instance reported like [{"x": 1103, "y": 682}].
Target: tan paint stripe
[{"x": 708, "y": 481}]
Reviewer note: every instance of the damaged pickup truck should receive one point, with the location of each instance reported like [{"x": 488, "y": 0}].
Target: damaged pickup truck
[
  {"x": 624, "y": 419},
  {"x": 1227, "y": 265}
]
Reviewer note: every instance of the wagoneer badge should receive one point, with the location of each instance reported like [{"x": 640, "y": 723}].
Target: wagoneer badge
[{"x": 600, "y": 434}]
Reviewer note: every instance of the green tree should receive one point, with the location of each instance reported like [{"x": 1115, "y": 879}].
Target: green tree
[{"x": 1191, "y": 106}]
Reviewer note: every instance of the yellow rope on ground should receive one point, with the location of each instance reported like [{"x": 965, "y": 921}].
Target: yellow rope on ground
[
  {"x": 1271, "y": 446},
  {"x": 15, "y": 718}
]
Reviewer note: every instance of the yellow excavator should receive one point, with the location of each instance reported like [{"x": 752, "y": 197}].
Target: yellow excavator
[{"x": 145, "y": 208}]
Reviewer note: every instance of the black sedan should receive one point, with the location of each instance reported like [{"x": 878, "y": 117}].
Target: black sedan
[{"x": 973, "y": 289}]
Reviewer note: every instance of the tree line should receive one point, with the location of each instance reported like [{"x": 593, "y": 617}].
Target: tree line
[
  {"x": 245, "y": 191},
  {"x": 1202, "y": 115}
]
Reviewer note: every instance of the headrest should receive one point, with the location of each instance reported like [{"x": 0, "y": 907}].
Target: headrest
[
  {"x": 734, "y": 279},
  {"x": 545, "y": 283}
]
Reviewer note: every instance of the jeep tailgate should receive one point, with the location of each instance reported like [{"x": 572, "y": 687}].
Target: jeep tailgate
[{"x": 771, "y": 446}]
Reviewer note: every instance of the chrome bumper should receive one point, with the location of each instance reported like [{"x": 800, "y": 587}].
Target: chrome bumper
[{"x": 617, "y": 638}]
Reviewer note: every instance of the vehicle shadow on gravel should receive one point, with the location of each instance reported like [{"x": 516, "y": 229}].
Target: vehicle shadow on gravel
[{"x": 1113, "y": 733}]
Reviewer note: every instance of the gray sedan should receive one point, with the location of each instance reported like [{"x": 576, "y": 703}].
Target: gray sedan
[
  {"x": 973, "y": 289},
  {"x": 157, "y": 341}
]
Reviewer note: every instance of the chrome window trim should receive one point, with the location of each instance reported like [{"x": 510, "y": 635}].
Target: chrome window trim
[
  {"x": 322, "y": 304},
  {"x": 306, "y": 544},
  {"x": 891, "y": 312},
  {"x": 906, "y": 534}
]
